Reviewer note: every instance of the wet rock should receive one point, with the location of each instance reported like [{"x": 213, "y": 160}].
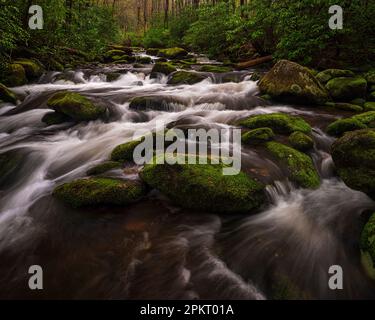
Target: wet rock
[
  {"x": 7, "y": 95},
  {"x": 300, "y": 166},
  {"x": 124, "y": 152},
  {"x": 278, "y": 122},
  {"x": 301, "y": 141},
  {"x": 75, "y": 106},
  {"x": 258, "y": 136},
  {"x": 367, "y": 245},
  {"x": 113, "y": 76},
  {"x": 354, "y": 158},
  {"x": 357, "y": 122},
  {"x": 10, "y": 163},
  {"x": 185, "y": 77},
  {"x": 329, "y": 74},
  {"x": 345, "y": 106},
  {"x": 152, "y": 51},
  {"x": 15, "y": 75},
  {"x": 160, "y": 103},
  {"x": 204, "y": 187},
  {"x": 162, "y": 67},
  {"x": 100, "y": 191},
  {"x": 103, "y": 167},
  {"x": 347, "y": 89},
  {"x": 290, "y": 82},
  {"x": 215, "y": 69},
  {"x": 33, "y": 68},
  {"x": 53, "y": 118},
  {"x": 145, "y": 60},
  {"x": 173, "y": 53}
]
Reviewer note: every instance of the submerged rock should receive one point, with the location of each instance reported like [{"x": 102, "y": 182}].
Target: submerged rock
[
  {"x": 185, "y": 77},
  {"x": 354, "y": 158},
  {"x": 300, "y": 141},
  {"x": 278, "y": 122},
  {"x": 100, "y": 191},
  {"x": 300, "y": 166},
  {"x": 204, "y": 187},
  {"x": 7, "y": 95},
  {"x": 329, "y": 74},
  {"x": 75, "y": 106},
  {"x": 258, "y": 136},
  {"x": 347, "y": 89},
  {"x": 290, "y": 82},
  {"x": 367, "y": 244}
]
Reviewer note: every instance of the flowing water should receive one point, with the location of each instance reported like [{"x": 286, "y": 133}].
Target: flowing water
[{"x": 153, "y": 249}]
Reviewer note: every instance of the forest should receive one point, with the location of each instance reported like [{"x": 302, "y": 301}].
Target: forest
[{"x": 268, "y": 84}]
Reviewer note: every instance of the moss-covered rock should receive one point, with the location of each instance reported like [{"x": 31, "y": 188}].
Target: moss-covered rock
[
  {"x": 75, "y": 106},
  {"x": 99, "y": 191},
  {"x": 278, "y": 122},
  {"x": 354, "y": 158},
  {"x": 290, "y": 82},
  {"x": 215, "y": 69},
  {"x": 113, "y": 76},
  {"x": 143, "y": 59},
  {"x": 370, "y": 77},
  {"x": 347, "y": 89},
  {"x": 204, "y": 187},
  {"x": 258, "y": 136},
  {"x": 7, "y": 95},
  {"x": 185, "y": 77},
  {"x": 33, "y": 68},
  {"x": 300, "y": 166},
  {"x": 15, "y": 75},
  {"x": 339, "y": 127},
  {"x": 173, "y": 53},
  {"x": 345, "y": 106},
  {"x": 367, "y": 244},
  {"x": 369, "y": 106},
  {"x": 152, "y": 51},
  {"x": 358, "y": 102},
  {"x": 300, "y": 141},
  {"x": 163, "y": 67},
  {"x": 367, "y": 118},
  {"x": 52, "y": 118},
  {"x": 103, "y": 167},
  {"x": 159, "y": 103},
  {"x": 329, "y": 74},
  {"x": 124, "y": 152}
]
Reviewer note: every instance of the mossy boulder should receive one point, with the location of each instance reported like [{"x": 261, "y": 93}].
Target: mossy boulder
[
  {"x": 367, "y": 245},
  {"x": 258, "y": 136},
  {"x": 185, "y": 77},
  {"x": 173, "y": 53},
  {"x": 367, "y": 118},
  {"x": 300, "y": 141},
  {"x": 339, "y": 127},
  {"x": 215, "y": 69},
  {"x": 143, "y": 59},
  {"x": 292, "y": 83},
  {"x": 52, "y": 118},
  {"x": 347, "y": 89},
  {"x": 205, "y": 187},
  {"x": 369, "y": 106},
  {"x": 345, "y": 106},
  {"x": 299, "y": 165},
  {"x": 329, "y": 74},
  {"x": 33, "y": 68},
  {"x": 278, "y": 122},
  {"x": 75, "y": 106},
  {"x": 103, "y": 167},
  {"x": 354, "y": 158},
  {"x": 124, "y": 152},
  {"x": 163, "y": 67},
  {"x": 100, "y": 191},
  {"x": 14, "y": 75},
  {"x": 7, "y": 95}
]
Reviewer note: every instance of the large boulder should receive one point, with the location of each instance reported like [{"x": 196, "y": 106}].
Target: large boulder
[
  {"x": 6, "y": 95},
  {"x": 354, "y": 158},
  {"x": 290, "y": 82},
  {"x": 184, "y": 77},
  {"x": 75, "y": 106},
  {"x": 347, "y": 89},
  {"x": 279, "y": 122},
  {"x": 204, "y": 187},
  {"x": 367, "y": 245},
  {"x": 299, "y": 165},
  {"x": 33, "y": 68},
  {"x": 14, "y": 75},
  {"x": 100, "y": 191}
]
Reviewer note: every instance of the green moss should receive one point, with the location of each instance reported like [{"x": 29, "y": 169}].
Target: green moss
[
  {"x": 367, "y": 118},
  {"x": 113, "y": 76},
  {"x": 14, "y": 75},
  {"x": 369, "y": 106},
  {"x": 184, "y": 77},
  {"x": 53, "y": 118},
  {"x": 367, "y": 242},
  {"x": 301, "y": 141},
  {"x": 215, "y": 69},
  {"x": 329, "y": 74},
  {"x": 347, "y": 89},
  {"x": 278, "y": 122},
  {"x": 204, "y": 187},
  {"x": 124, "y": 152},
  {"x": 163, "y": 67},
  {"x": 345, "y": 106},
  {"x": 368, "y": 264},
  {"x": 32, "y": 68},
  {"x": 152, "y": 51},
  {"x": 354, "y": 158},
  {"x": 145, "y": 60},
  {"x": 99, "y": 191},
  {"x": 300, "y": 166},
  {"x": 370, "y": 77},
  {"x": 75, "y": 106},
  {"x": 173, "y": 53},
  {"x": 7, "y": 95},
  {"x": 358, "y": 102},
  {"x": 339, "y": 127},
  {"x": 290, "y": 82},
  {"x": 103, "y": 167},
  {"x": 257, "y": 136}
]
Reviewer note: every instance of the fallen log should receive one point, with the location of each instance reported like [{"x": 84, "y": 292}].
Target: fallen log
[{"x": 254, "y": 62}]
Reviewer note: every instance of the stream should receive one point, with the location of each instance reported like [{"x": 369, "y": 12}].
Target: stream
[{"x": 153, "y": 249}]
